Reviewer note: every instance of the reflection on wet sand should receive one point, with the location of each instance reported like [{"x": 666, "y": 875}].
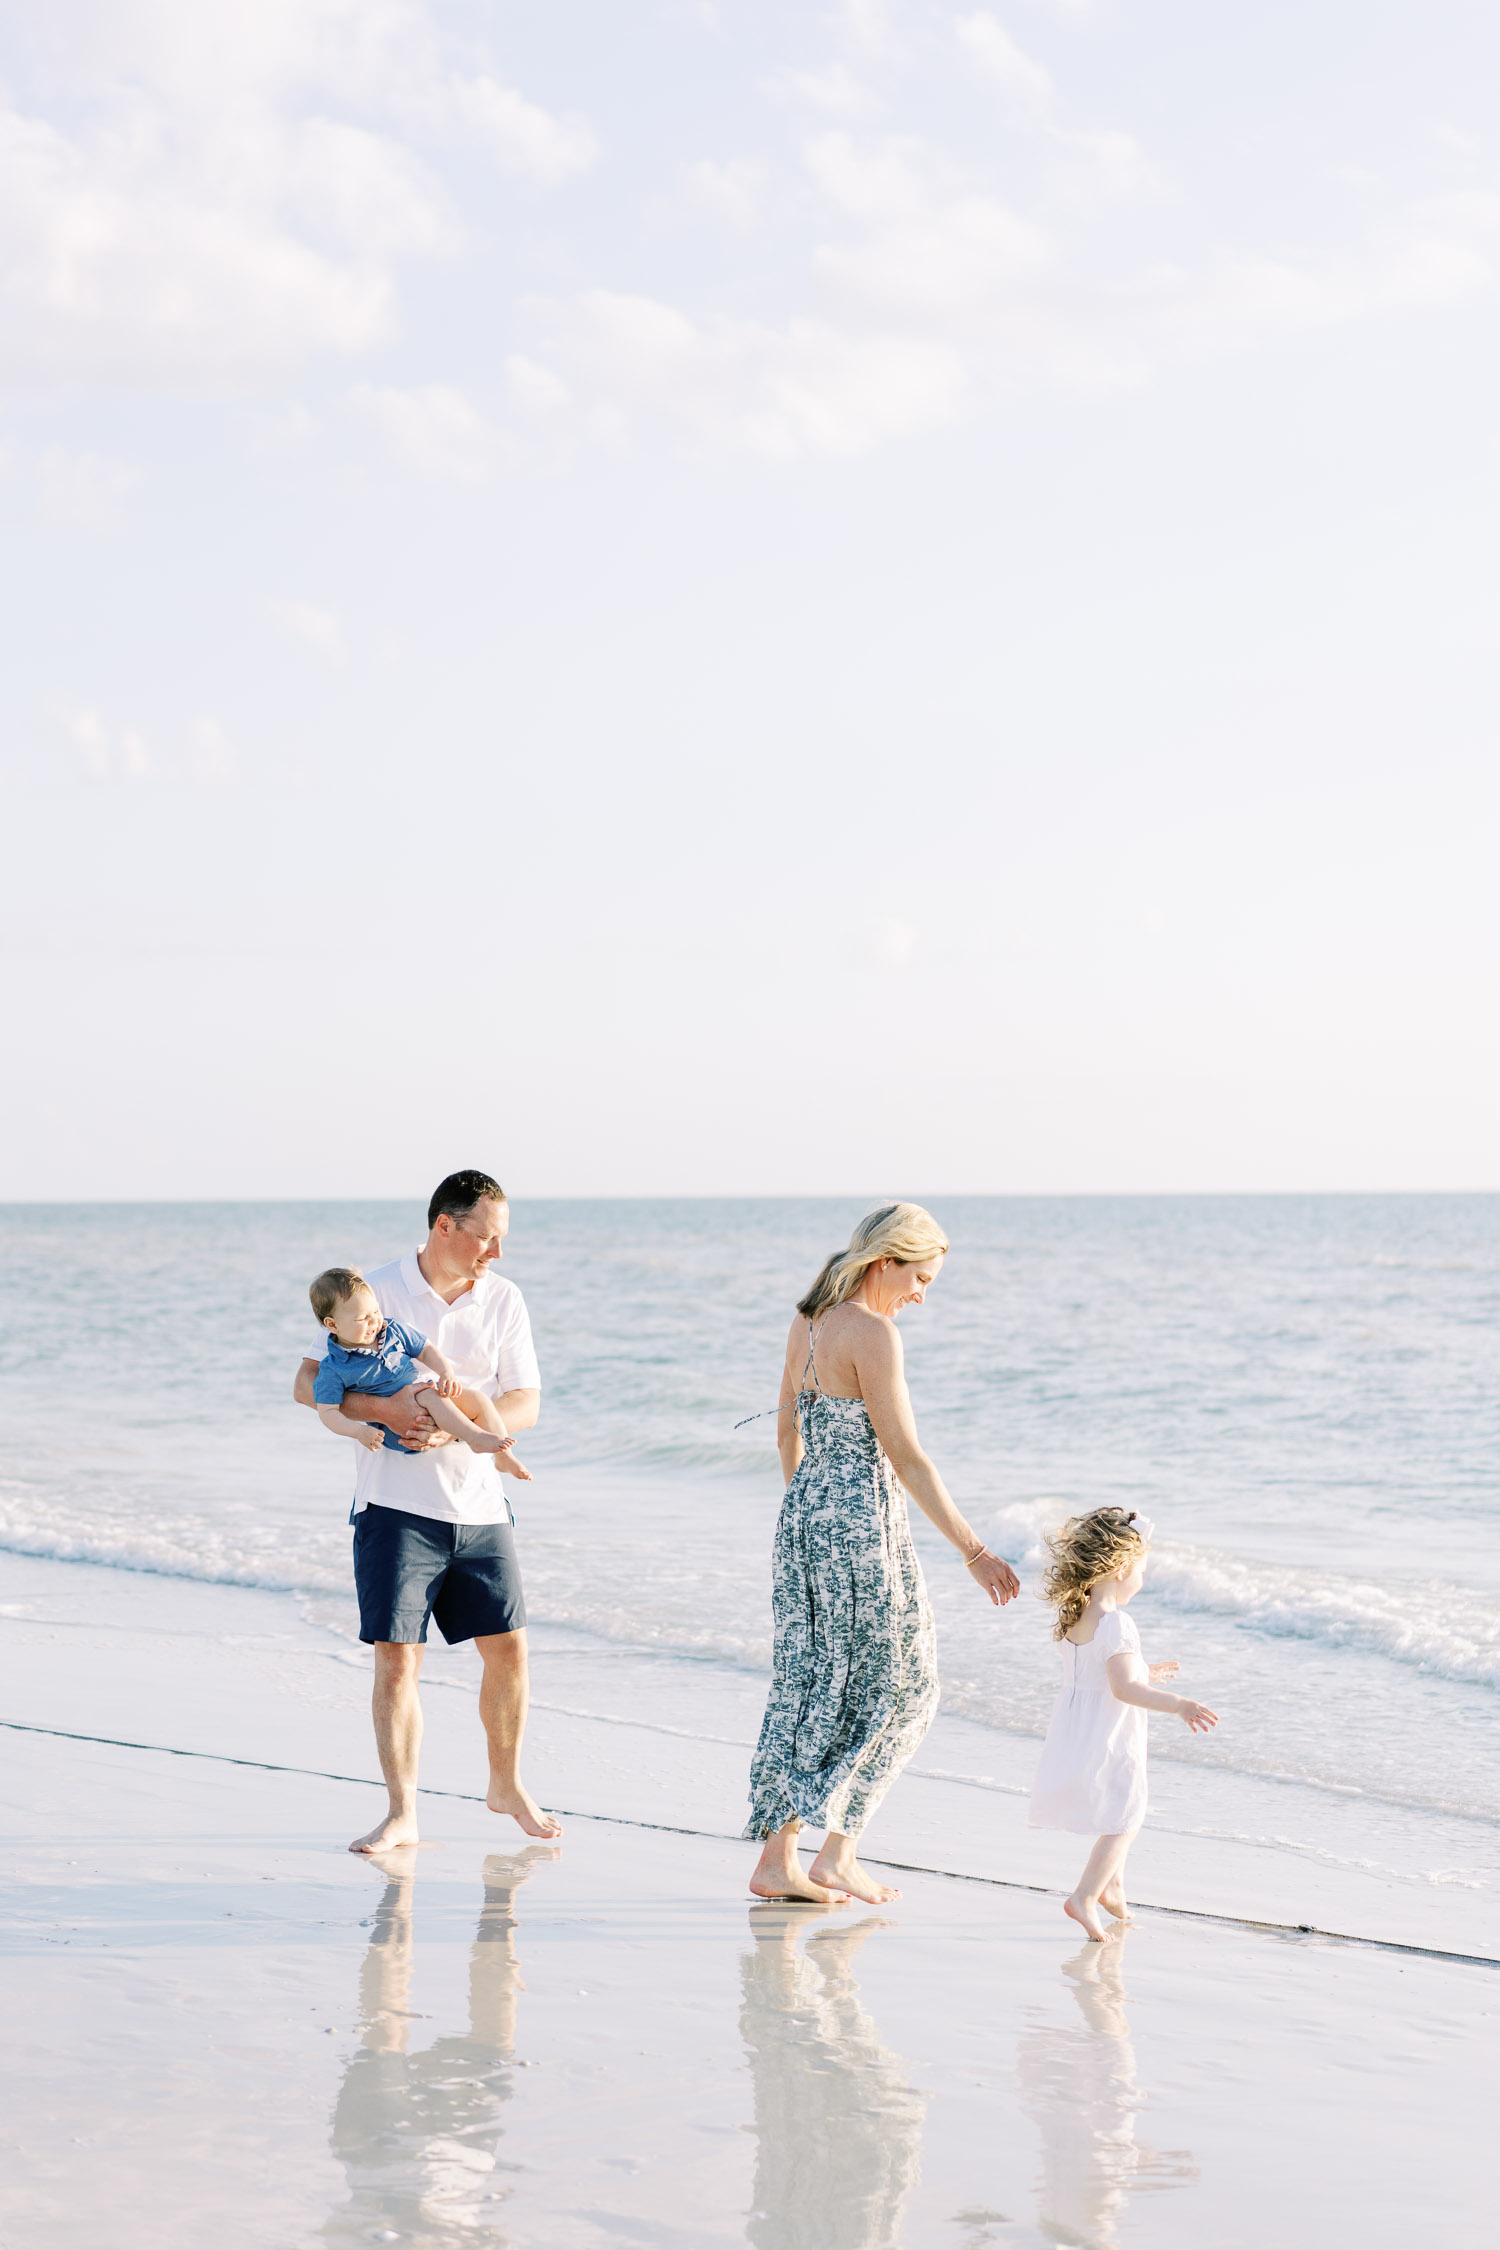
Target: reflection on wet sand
[
  {"x": 1079, "y": 2085},
  {"x": 838, "y": 2129},
  {"x": 417, "y": 2133}
]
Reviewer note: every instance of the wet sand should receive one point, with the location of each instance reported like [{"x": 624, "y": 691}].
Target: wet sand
[{"x": 227, "y": 2031}]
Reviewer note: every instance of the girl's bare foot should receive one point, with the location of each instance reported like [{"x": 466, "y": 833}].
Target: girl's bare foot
[
  {"x": 396, "y": 1829},
  {"x": 847, "y": 1874},
  {"x": 1112, "y": 1900},
  {"x": 524, "y": 1809},
  {"x": 1085, "y": 1911}
]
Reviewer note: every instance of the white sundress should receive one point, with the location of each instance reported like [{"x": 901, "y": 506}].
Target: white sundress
[{"x": 1092, "y": 1778}]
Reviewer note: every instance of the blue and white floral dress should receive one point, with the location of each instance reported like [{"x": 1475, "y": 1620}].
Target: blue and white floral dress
[{"x": 854, "y": 1683}]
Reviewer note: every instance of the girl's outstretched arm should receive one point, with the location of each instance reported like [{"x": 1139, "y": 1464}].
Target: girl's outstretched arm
[{"x": 1197, "y": 1717}]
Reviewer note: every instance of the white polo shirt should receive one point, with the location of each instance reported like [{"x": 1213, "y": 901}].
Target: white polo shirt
[{"x": 486, "y": 1337}]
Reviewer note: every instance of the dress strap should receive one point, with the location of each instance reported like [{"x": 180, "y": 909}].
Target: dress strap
[
  {"x": 811, "y": 1367},
  {"x": 802, "y": 1390}
]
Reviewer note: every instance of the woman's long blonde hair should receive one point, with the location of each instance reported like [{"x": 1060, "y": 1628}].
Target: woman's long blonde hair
[
  {"x": 1086, "y": 1549},
  {"x": 903, "y": 1231}
]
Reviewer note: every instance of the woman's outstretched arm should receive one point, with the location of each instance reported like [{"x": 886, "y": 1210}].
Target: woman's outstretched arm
[{"x": 882, "y": 1380}]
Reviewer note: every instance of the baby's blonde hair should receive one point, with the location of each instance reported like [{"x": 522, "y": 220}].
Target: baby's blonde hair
[
  {"x": 1086, "y": 1550},
  {"x": 335, "y": 1288}
]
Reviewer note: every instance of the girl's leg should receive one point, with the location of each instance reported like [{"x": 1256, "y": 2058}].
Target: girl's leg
[
  {"x": 1112, "y": 1897},
  {"x": 779, "y": 1873},
  {"x": 838, "y": 1866},
  {"x": 1105, "y": 1869}
]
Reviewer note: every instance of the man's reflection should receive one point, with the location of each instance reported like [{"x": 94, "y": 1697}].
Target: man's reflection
[
  {"x": 417, "y": 2133},
  {"x": 838, "y": 2129},
  {"x": 1079, "y": 2085}
]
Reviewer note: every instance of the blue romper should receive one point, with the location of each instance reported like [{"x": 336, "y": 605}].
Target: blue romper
[{"x": 379, "y": 1369}]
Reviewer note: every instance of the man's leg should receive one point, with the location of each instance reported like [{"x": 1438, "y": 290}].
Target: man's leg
[
  {"x": 396, "y": 1708},
  {"x": 503, "y": 1696}
]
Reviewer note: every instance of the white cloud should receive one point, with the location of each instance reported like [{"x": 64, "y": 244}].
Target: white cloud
[
  {"x": 731, "y": 191},
  {"x": 104, "y": 754},
  {"x": 526, "y": 139},
  {"x": 534, "y": 388},
  {"x": 933, "y": 249},
  {"x": 83, "y": 491},
  {"x": 1106, "y": 159},
  {"x": 871, "y": 24},
  {"x": 778, "y": 391},
  {"x": 108, "y": 751},
  {"x": 213, "y": 194},
  {"x": 833, "y": 89},
  {"x": 319, "y": 628},
  {"x": 132, "y": 254},
  {"x": 436, "y": 428},
  {"x": 998, "y": 56}
]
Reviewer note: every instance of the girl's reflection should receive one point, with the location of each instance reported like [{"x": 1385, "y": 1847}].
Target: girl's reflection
[
  {"x": 1079, "y": 2084},
  {"x": 839, "y": 2130},
  {"x": 416, "y": 2133}
]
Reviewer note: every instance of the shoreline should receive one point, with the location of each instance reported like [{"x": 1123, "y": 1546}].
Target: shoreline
[
  {"x": 278, "y": 1682},
  {"x": 715, "y": 1836},
  {"x": 229, "y": 2028}
]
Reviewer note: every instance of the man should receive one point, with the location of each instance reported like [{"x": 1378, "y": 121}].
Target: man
[{"x": 433, "y": 1530}]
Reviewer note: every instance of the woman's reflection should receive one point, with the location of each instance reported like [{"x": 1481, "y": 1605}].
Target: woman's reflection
[
  {"x": 416, "y": 2133},
  {"x": 1079, "y": 2085},
  {"x": 838, "y": 2129}
]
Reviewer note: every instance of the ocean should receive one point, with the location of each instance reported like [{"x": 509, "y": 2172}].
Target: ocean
[{"x": 1299, "y": 1389}]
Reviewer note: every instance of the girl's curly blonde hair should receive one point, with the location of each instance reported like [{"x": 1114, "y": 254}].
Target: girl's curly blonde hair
[{"x": 1086, "y": 1549}]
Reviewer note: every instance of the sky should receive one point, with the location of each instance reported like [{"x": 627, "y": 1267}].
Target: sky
[{"x": 743, "y": 598}]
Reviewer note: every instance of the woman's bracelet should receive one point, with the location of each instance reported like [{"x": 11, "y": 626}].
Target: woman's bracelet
[{"x": 971, "y": 1560}]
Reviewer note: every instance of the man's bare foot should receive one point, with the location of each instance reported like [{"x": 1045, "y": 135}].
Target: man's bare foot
[
  {"x": 525, "y": 1811},
  {"x": 1113, "y": 1902},
  {"x": 395, "y": 1830},
  {"x": 848, "y": 1875},
  {"x": 784, "y": 1886},
  {"x": 1085, "y": 1911}
]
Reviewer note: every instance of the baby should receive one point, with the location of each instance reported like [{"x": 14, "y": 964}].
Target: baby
[{"x": 366, "y": 1352}]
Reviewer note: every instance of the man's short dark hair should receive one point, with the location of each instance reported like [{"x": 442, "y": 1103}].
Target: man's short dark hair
[{"x": 458, "y": 1194}]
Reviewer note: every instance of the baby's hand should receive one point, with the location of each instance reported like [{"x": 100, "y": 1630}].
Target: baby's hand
[
  {"x": 367, "y": 1434},
  {"x": 1197, "y": 1717},
  {"x": 446, "y": 1386},
  {"x": 1167, "y": 1671}
]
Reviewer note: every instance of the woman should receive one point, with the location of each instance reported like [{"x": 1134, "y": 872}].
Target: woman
[{"x": 854, "y": 1678}]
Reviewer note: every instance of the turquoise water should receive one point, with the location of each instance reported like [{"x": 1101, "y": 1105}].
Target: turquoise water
[{"x": 1301, "y": 1390}]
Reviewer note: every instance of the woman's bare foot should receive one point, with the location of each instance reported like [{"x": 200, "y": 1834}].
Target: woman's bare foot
[
  {"x": 785, "y": 1886},
  {"x": 396, "y": 1829},
  {"x": 1085, "y": 1911},
  {"x": 1112, "y": 1899},
  {"x": 524, "y": 1809},
  {"x": 843, "y": 1871}
]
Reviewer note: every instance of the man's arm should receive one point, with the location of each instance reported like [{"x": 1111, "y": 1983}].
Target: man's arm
[
  {"x": 519, "y": 1409},
  {"x": 411, "y": 1423}
]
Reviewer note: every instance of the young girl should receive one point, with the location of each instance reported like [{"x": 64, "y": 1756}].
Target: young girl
[{"x": 1092, "y": 1778}]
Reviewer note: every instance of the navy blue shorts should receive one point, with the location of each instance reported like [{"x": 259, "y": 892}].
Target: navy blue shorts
[{"x": 409, "y": 1568}]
